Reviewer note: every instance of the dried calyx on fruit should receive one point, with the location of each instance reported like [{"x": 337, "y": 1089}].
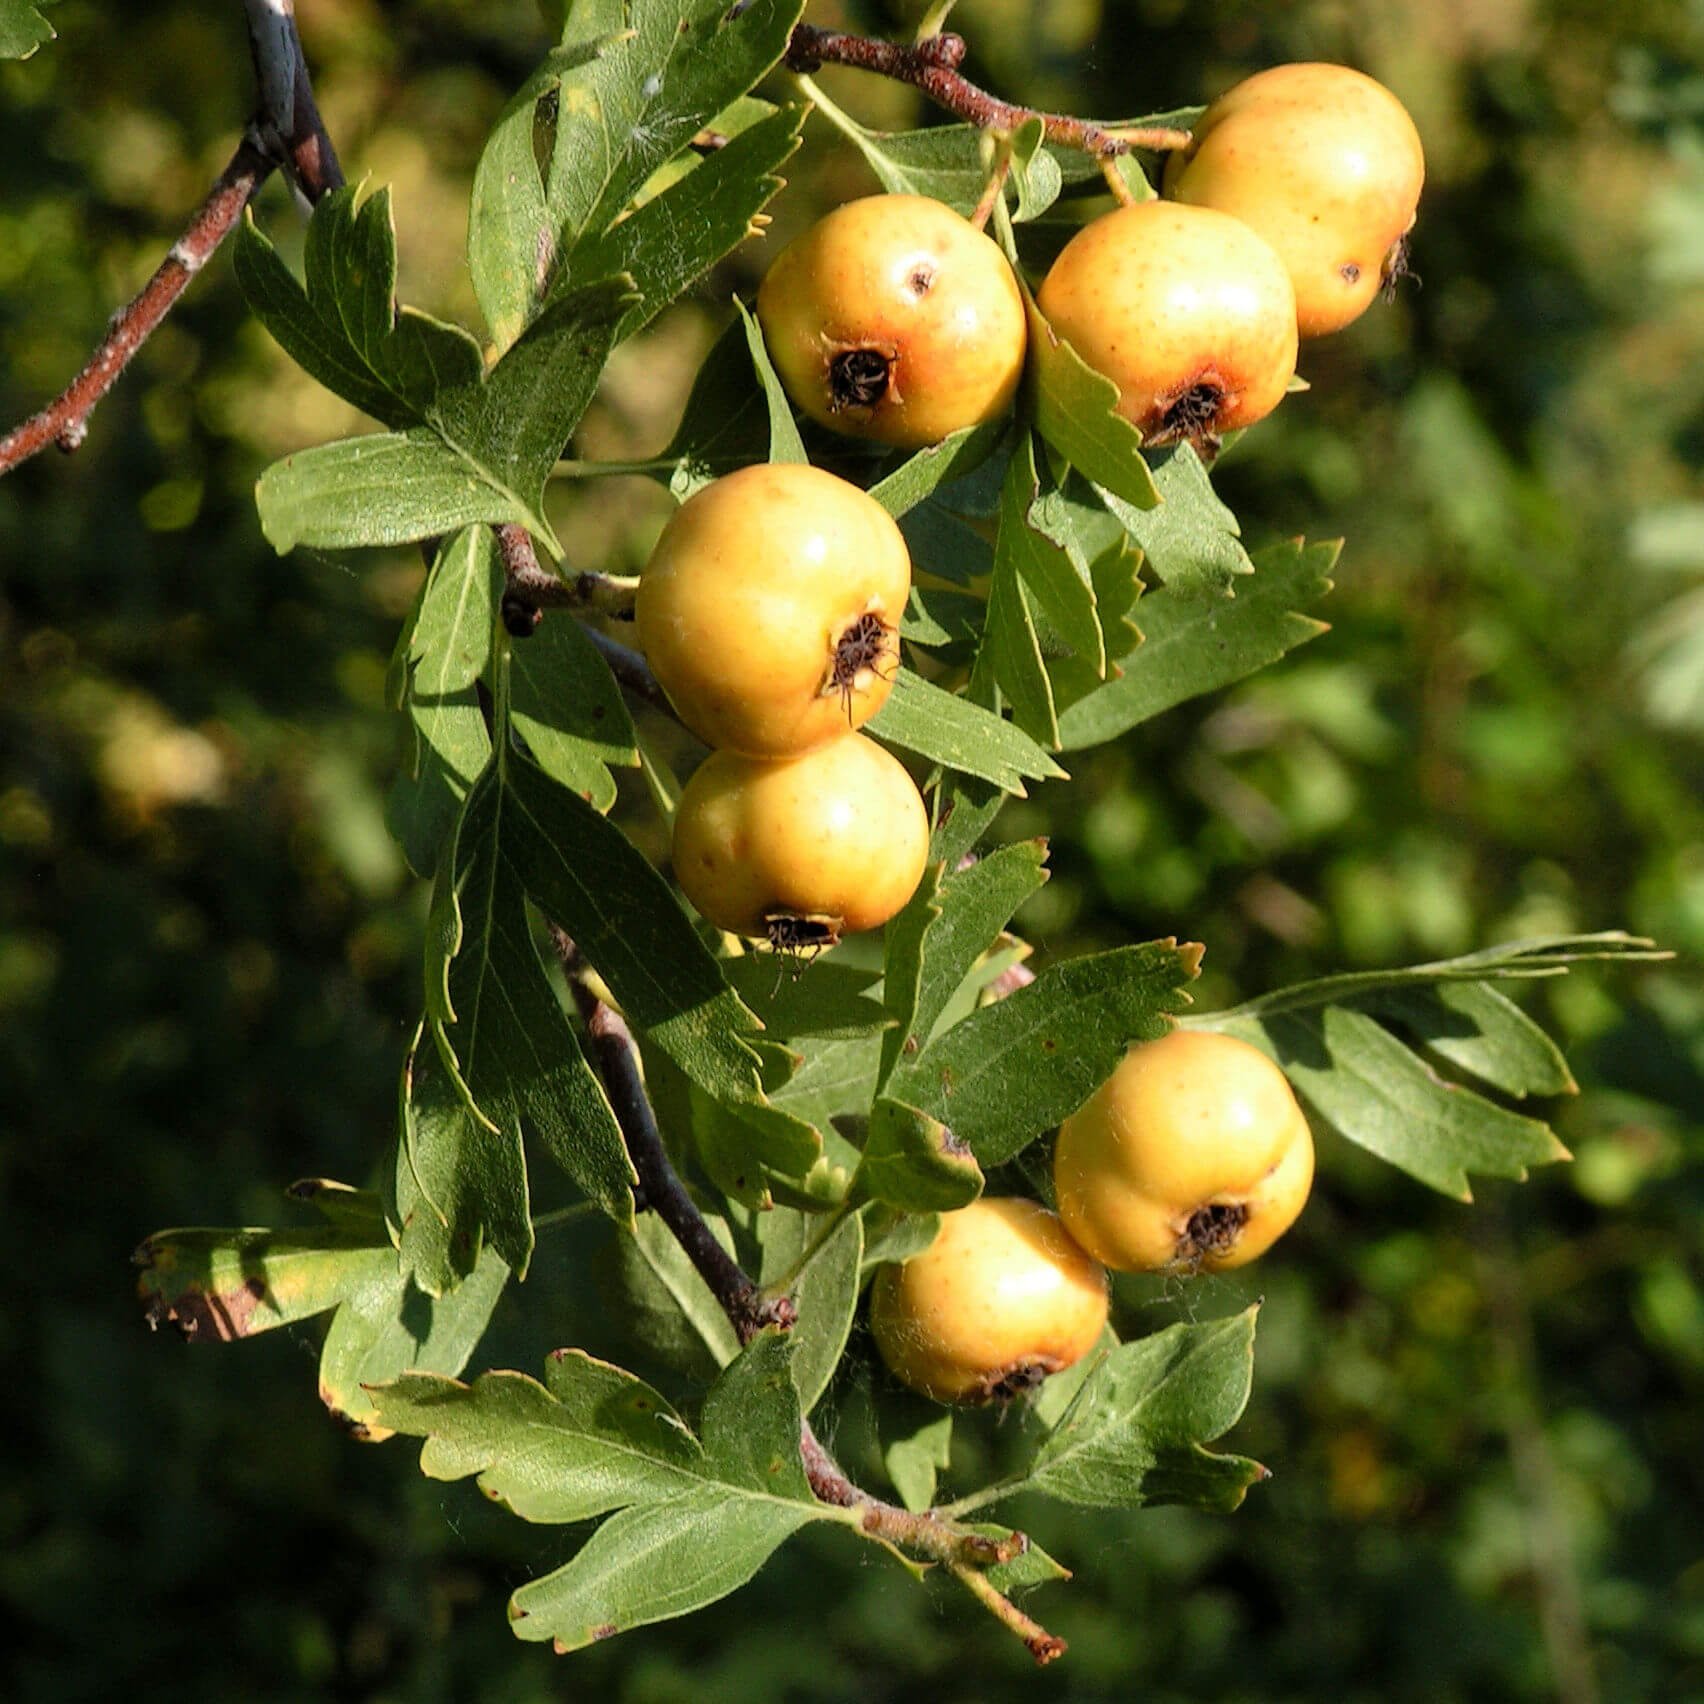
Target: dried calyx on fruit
[
  {"x": 894, "y": 319},
  {"x": 1186, "y": 310},
  {"x": 999, "y": 1301}
]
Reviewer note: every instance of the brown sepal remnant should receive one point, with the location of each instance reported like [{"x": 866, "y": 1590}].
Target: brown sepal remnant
[
  {"x": 1211, "y": 1231},
  {"x": 859, "y": 378}
]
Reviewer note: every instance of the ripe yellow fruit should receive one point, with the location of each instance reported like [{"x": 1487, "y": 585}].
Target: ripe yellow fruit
[
  {"x": 769, "y": 610},
  {"x": 894, "y": 319},
  {"x": 1185, "y": 309},
  {"x": 1000, "y": 1299},
  {"x": 801, "y": 849},
  {"x": 1193, "y": 1155},
  {"x": 1326, "y": 165}
]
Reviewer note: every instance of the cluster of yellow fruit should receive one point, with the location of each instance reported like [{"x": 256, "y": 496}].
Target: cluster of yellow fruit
[
  {"x": 1193, "y": 1156},
  {"x": 769, "y": 614}
]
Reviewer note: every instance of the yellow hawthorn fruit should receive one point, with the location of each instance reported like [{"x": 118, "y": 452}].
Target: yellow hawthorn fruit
[
  {"x": 801, "y": 849},
  {"x": 1185, "y": 309},
  {"x": 893, "y": 318},
  {"x": 1326, "y": 165},
  {"x": 1193, "y": 1155},
  {"x": 999, "y": 1300},
  {"x": 770, "y": 607}
]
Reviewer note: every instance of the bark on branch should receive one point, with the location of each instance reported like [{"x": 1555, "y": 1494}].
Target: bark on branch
[
  {"x": 286, "y": 133},
  {"x": 932, "y": 66}
]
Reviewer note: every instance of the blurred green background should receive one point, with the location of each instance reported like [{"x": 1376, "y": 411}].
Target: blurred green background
[{"x": 1485, "y": 1423}]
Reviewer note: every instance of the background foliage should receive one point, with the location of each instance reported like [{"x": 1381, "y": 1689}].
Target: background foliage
[{"x": 1483, "y": 1425}]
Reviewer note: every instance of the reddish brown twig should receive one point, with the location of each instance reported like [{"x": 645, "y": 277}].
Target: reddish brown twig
[
  {"x": 287, "y": 132},
  {"x": 65, "y": 420},
  {"x": 932, "y": 66},
  {"x": 530, "y": 590}
]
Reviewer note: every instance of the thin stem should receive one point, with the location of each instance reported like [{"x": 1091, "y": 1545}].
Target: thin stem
[
  {"x": 562, "y": 1216},
  {"x": 932, "y": 20},
  {"x": 994, "y": 189},
  {"x": 608, "y": 469},
  {"x": 630, "y": 670},
  {"x": 1043, "y": 1646},
  {"x": 932, "y": 66},
  {"x": 65, "y": 420},
  {"x": 1122, "y": 193},
  {"x": 827, "y": 1225}
]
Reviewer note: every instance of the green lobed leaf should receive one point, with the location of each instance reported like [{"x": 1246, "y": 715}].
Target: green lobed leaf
[
  {"x": 954, "y": 731},
  {"x": 496, "y": 436},
  {"x": 949, "y": 923},
  {"x": 1134, "y": 1433},
  {"x": 667, "y": 68},
  {"x": 511, "y": 244},
  {"x": 1074, "y": 409},
  {"x": 1481, "y": 1032},
  {"x": 593, "y": 1438},
  {"x": 564, "y": 703},
  {"x": 23, "y": 28},
  {"x": 1537, "y": 956},
  {"x": 342, "y": 323},
  {"x": 785, "y": 444},
  {"x": 1013, "y": 1069},
  {"x": 385, "y": 488},
  {"x": 697, "y": 1518},
  {"x": 385, "y": 1331},
  {"x": 460, "y": 1178},
  {"x": 1190, "y": 538},
  {"x": 1194, "y": 645},
  {"x": 445, "y": 648},
  {"x": 914, "y": 1162},
  {"x": 589, "y": 878},
  {"x": 924, "y": 471},
  {"x": 1373, "y": 1089},
  {"x": 653, "y": 1562},
  {"x": 915, "y": 1459},
  {"x": 1370, "y": 1084},
  {"x": 675, "y": 238},
  {"x": 504, "y": 1035}
]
